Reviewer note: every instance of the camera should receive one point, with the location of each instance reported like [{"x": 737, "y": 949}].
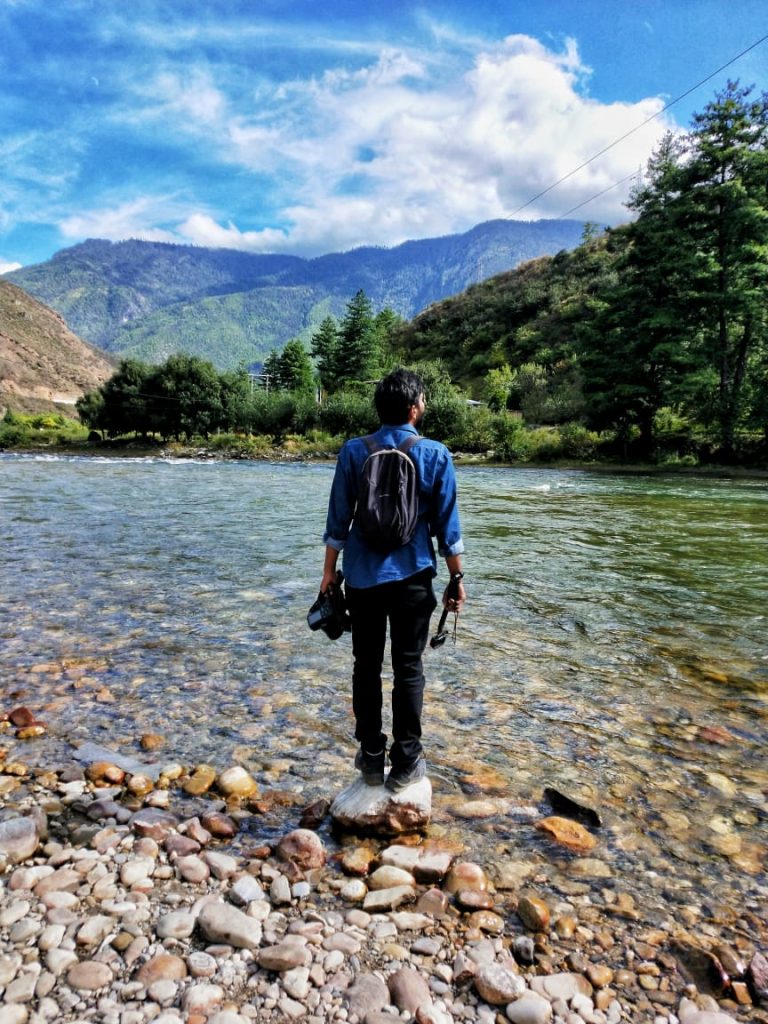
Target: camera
[{"x": 329, "y": 612}]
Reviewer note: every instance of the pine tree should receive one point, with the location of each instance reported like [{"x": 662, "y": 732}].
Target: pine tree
[
  {"x": 359, "y": 352},
  {"x": 295, "y": 369},
  {"x": 325, "y": 352}
]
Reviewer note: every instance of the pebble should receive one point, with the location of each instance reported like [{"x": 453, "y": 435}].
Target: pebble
[{"x": 287, "y": 938}]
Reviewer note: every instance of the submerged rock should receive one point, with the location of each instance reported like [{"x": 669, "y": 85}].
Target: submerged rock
[
  {"x": 374, "y": 809},
  {"x": 18, "y": 840}
]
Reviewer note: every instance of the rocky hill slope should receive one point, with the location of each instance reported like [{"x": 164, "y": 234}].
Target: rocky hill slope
[{"x": 43, "y": 365}]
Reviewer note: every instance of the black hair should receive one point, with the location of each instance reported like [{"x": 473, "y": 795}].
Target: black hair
[{"x": 396, "y": 393}]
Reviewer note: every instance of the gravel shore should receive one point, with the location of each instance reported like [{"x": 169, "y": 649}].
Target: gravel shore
[{"x": 119, "y": 906}]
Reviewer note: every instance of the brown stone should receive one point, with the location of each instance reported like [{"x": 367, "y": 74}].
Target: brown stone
[
  {"x": 30, "y": 732},
  {"x": 313, "y": 815},
  {"x": 302, "y": 848},
  {"x": 21, "y": 717},
  {"x": 151, "y": 741},
  {"x": 534, "y": 913},
  {"x": 486, "y": 921},
  {"x": 200, "y": 781},
  {"x": 162, "y": 967},
  {"x": 465, "y": 875},
  {"x": 220, "y": 825},
  {"x": 153, "y": 822},
  {"x": 474, "y": 899},
  {"x": 408, "y": 990},
  {"x": 567, "y": 833},
  {"x": 104, "y": 771},
  {"x": 357, "y": 860}
]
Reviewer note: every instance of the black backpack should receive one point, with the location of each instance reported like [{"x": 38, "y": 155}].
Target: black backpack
[{"x": 388, "y": 500}]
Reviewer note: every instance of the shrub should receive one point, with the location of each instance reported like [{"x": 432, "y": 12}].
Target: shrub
[
  {"x": 576, "y": 442},
  {"x": 511, "y": 440},
  {"x": 348, "y": 414}
]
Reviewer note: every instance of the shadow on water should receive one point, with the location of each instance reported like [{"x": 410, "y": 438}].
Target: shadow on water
[{"x": 613, "y": 646}]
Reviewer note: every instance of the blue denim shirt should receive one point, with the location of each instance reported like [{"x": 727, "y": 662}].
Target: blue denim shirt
[{"x": 438, "y": 512}]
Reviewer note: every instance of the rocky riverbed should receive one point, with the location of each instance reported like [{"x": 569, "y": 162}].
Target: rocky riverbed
[{"x": 135, "y": 892}]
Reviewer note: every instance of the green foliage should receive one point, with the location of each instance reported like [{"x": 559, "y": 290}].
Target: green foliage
[
  {"x": 348, "y": 414},
  {"x": 497, "y": 387},
  {"x": 19, "y": 430}
]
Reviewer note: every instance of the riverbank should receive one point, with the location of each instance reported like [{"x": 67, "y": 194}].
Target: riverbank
[
  {"x": 280, "y": 453},
  {"x": 140, "y": 889}
]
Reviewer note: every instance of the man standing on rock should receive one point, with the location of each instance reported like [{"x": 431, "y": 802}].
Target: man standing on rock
[{"x": 393, "y": 584}]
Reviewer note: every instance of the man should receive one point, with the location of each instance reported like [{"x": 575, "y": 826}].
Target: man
[{"x": 394, "y": 586}]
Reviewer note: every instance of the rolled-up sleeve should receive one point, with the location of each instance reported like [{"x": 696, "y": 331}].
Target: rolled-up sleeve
[
  {"x": 341, "y": 505},
  {"x": 446, "y": 526}
]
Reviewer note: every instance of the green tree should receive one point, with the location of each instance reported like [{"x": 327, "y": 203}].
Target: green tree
[
  {"x": 125, "y": 397},
  {"x": 235, "y": 399},
  {"x": 295, "y": 369},
  {"x": 497, "y": 387},
  {"x": 90, "y": 409},
  {"x": 325, "y": 352},
  {"x": 726, "y": 180},
  {"x": 359, "y": 353},
  {"x": 189, "y": 396}
]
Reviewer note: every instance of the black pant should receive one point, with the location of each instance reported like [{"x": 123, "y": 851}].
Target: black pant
[{"x": 408, "y": 605}]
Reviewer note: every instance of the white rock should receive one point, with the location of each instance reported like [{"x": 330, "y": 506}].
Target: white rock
[
  {"x": 9, "y": 966},
  {"x": 201, "y": 965},
  {"x": 375, "y": 809},
  {"x": 22, "y": 988},
  {"x": 202, "y": 998},
  {"x": 95, "y": 930},
  {"x": 354, "y": 891},
  {"x": 221, "y": 864},
  {"x": 245, "y": 890},
  {"x": 530, "y": 1008},
  {"x": 18, "y": 839},
  {"x": 387, "y": 899},
  {"x": 59, "y": 960},
  {"x": 14, "y": 912},
  {"x": 176, "y": 925},
  {"x": 221, "y": 922},
  {"x": 296, "y": 982},
  {"x": 280, "y": 891},
  {"x": 136, "y": 870},
  {"x": 14, "y": 1013},
  {"x": 388, "y": 877}
]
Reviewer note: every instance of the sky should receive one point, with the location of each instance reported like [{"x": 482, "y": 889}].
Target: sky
[{"x": 312, "y": 127}]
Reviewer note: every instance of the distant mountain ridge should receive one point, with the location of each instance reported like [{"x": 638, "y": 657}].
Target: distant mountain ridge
[{"x": 150, "y": 299}]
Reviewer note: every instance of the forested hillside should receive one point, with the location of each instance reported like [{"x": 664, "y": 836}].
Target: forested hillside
[
  {"x": 656, "y": 328},
  {"x": 148, "y": 299}
]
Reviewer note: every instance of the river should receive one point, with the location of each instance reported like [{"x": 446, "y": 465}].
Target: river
[{"x": 613, "y": 645}]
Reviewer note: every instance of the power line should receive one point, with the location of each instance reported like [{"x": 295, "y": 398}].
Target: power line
[
  {"x": 597, "y": 195},
  {"x": 637, "y": 128}
]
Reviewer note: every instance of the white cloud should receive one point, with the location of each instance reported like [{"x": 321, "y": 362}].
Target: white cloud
[
  {"x": 133, "y": 219},
  {"x": 410, "y": 144},
  {"x": 442, "y": 152},
  {"x": 6, "y": 268}
]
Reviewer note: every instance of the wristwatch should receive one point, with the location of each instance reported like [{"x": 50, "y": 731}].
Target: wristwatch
[{"x": 457, "y": 577}]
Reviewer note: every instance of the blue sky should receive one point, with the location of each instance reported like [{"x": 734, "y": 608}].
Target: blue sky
[{"x": 285, "y": 125}]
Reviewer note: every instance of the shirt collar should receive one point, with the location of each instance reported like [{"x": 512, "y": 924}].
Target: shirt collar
[{"x": 408, "y": 427}]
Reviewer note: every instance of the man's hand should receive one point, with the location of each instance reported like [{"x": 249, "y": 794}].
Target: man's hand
[
  {"x": 454, "y": 596},
  {"x": 329, "y": 576}
]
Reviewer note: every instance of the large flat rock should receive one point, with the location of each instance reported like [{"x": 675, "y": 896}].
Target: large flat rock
[{"x": 374, "y": 809}]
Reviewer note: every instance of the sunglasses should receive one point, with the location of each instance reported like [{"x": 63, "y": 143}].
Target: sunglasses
[{"x": 442, "y": 633}]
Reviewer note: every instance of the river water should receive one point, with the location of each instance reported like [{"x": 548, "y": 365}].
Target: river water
[{"x": 614, "y": 645}]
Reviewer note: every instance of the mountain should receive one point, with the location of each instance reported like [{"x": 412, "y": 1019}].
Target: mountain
[
  {"x": 43, "y": 365},
  {"x": 150, "y": 299}
]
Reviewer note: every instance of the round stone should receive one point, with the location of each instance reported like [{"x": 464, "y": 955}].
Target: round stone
[
  {"x": 498, "y": 985},
  {"x": 530, "y": 1008},
  {"x": 465, "y": 875},
  {"x": 89, "y": 975}
]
